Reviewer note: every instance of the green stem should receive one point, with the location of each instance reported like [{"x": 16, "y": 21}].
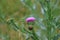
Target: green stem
[
  {"x": 49, "y": 32},
  {"x": 35, "y": 36},
  {"x": 49, "y": 20}
]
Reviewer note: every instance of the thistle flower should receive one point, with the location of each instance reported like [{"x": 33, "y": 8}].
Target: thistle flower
[{"x": 30, "y": 19}]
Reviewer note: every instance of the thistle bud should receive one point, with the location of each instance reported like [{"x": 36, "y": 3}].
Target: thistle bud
[{"x": 30, "y": 27}]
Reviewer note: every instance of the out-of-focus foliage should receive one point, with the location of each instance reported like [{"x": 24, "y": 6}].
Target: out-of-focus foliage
[{"x": 14, "y": 12}]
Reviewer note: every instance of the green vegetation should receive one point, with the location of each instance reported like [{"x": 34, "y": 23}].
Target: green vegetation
[{"x": 13, "y": 14}]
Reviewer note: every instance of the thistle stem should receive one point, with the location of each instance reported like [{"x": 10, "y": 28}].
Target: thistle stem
[
  {"x": 34, "y": 34},
  {"x": 49, "y": 20}
]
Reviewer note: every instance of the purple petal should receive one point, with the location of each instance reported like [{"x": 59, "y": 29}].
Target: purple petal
[{"x": 30, "y": 19}]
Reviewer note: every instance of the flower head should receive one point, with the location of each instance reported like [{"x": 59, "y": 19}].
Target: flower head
[{"x": 30, "y": 19}]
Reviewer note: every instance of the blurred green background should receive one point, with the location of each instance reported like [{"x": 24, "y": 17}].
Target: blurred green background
[{"x": 18, "y": 10}]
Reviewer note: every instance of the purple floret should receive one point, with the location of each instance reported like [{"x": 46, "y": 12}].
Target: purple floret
[{"x": 30, "y": 19}]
